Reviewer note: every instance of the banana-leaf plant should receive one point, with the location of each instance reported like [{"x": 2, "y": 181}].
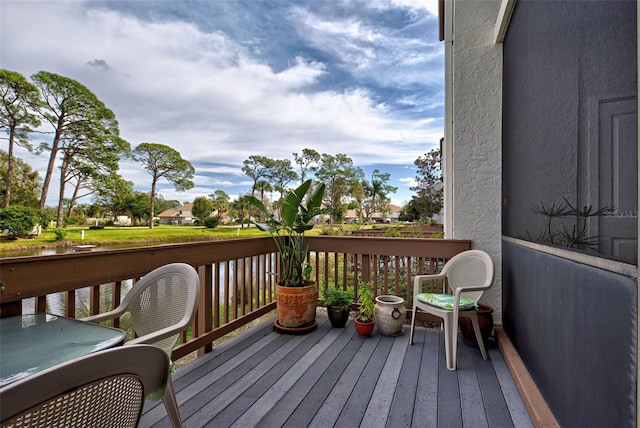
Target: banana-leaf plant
[{"x": 288, "y": 229}]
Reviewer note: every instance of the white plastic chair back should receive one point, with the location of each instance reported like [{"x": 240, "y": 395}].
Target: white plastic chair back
[
  {"x": 106, "y": 388},
  {"x": 470, "y": 268},
  {"x": 162, "y": 304},
  {"x": 165, "y": 297}
]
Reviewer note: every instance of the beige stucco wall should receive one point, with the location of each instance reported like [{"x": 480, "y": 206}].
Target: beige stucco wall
[{"x": 472, "y": 153}]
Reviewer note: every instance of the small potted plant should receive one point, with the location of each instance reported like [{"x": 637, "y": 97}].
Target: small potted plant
[
  {"x": 296, "y": 295},
  {"x": 364, "y": 320},
  {"x": 338, "y": 303}
]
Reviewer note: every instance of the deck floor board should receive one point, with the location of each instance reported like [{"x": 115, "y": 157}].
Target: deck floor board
[{"x": 333, "y": 378}]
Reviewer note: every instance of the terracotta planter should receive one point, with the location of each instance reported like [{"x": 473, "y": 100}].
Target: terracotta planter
[
  {"x": 296, "y": 308},
  {"x": 338, "y": 317},
  {"x": 485, "y": 319},
  {"x": 390, "y": 315},
  {"x": 364, "y": 329}
]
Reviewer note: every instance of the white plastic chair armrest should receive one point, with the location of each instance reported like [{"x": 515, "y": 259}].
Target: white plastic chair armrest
[
  {"x": 156, "y": 336},
  {"x": 106, "y": 316},
  {"x": 417, "y": 281},
  {"x": 463, "y": 288}
]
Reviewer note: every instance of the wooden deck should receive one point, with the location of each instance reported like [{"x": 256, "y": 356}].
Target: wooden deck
[{"x": 332, "y": 377}]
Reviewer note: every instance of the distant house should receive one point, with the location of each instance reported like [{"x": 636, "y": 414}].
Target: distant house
[
  {"x": 389, "y": 216},
  {"x": 180, "y": 215},
  {"x": 122, "y": 220},
  {"x": 351, "y": 217}
]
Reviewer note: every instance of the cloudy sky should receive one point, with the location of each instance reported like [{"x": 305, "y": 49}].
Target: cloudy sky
[{"x": 221, "y": 80}]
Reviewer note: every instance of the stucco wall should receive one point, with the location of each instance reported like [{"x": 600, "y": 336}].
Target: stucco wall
[{"x": 474, "y": 155}]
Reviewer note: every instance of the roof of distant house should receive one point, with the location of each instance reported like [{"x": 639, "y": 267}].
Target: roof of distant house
[{"x": 176, "y": 212}]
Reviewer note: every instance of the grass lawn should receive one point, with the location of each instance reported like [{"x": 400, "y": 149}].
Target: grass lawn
[
  {"x": 129, "y": 235},
  {"x": 162, "y": 234}
]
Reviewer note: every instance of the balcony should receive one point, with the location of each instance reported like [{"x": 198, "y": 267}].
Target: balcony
[
  {"x": 332, "y": 377},
  {"x": 237, "y": 288}
]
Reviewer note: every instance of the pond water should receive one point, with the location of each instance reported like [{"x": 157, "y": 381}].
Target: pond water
[{"x": 58, "y": 250}]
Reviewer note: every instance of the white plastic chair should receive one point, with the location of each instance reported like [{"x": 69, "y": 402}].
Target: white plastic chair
[
  {"x": 467, "y": 274},
  {"x": 162, "y": 304},
  {"x": 106, "y": 388}
]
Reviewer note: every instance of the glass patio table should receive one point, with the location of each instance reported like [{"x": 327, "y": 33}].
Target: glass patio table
[{"x": 32, "y": 343}]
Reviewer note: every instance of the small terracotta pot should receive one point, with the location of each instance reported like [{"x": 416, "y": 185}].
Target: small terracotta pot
[{"x": 364, "y": 329}]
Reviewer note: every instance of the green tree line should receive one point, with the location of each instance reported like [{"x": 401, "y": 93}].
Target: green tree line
[{"x": 86, "y": 146}]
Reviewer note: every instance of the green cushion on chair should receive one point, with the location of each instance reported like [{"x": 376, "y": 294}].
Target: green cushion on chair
[{"x": 445, "y": 301}]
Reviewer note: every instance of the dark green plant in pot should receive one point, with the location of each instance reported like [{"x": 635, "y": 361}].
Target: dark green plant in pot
[
  {"x": 288, "y": 229},
  {"x": 337, "y": 298},
  {"x": 338, "y": 303}
]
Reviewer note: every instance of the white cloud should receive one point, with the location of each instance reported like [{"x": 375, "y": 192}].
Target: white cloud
[
  {"x": 208, "y": 97},
  {"x": 429, "y": 5}
]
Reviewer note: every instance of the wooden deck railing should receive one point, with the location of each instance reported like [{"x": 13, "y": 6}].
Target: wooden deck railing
[{"x": 236, "y": 281}]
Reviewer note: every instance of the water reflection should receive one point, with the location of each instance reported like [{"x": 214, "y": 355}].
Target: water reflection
[
  {"x": 56, "y": 301},
  {"x": 25, "y": 252}
]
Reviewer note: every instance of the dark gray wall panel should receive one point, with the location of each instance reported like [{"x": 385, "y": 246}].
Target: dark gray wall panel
[{"x": 575, "y": 328}]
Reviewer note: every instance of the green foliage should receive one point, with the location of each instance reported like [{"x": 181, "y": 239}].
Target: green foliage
[
  {"x": 26, "y": 183},
  {"x": 211, "y": 222},
  {"x": 60, "y": 234},
  {"x": 342, "y": 178},
  {"x": 202, "y": 208},
  {"x": 575, "y": 235},
  {"x": 328, "y": 230},
  {"x": 337, "y": 297},
  {"x": 86, "y": 136},
  {"x": 19, "y": 221},
  {"x": 392, "y": 232},
  {"x": 18, "y": 99},
  {"x": 164, "y": 162},
  {"x": 75, "y": 220},
  {"x": 365, "y": 312},
  {"x": 306, "y": 162},
  {"x": 137, "y": 204},
  {"x": 221, "y": 201},
  {"x": 288, "y": 230},
  {"x": 375, "y": 193},
  {"x": 428, "y": 200}
]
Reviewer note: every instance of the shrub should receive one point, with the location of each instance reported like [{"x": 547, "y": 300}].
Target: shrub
[
  {"x": 392, "y": 232},
  {"x": 331, "y": 231},
  {"x": 60, "y": 234},
  {"x": 74, "y": 220},
  {"x": 211, "y": 222},
  {"x": 19, "y": 221}
]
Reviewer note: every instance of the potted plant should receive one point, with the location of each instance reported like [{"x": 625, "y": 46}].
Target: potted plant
[
  {"x": 338, "y": 303},
  {"x": 296, "y": 295},
  {"x": 485, "y": 319},
  {"x": 364, "y": 320}
]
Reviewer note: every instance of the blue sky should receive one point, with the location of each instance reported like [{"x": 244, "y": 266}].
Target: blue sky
[{"x": 221, "y": 80}]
